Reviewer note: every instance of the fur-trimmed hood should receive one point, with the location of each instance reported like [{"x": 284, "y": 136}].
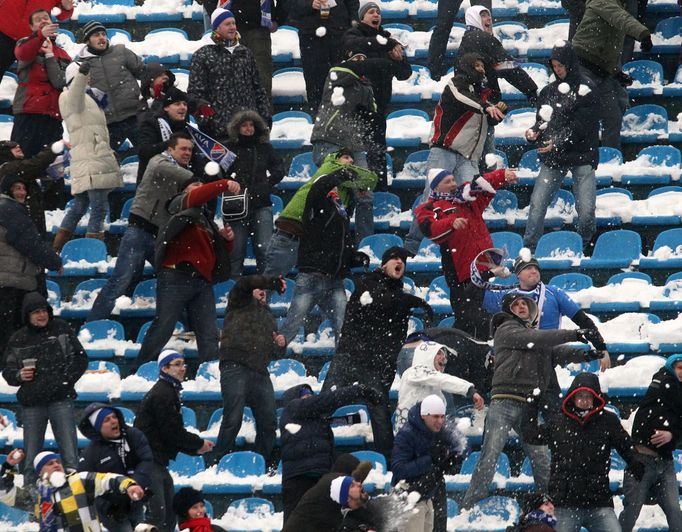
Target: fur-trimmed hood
[{"x": 262, "y": 130}]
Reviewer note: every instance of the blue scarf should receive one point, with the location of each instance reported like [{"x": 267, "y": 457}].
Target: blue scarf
[
  {"x": 100, "y": 97},
  {"x": 175, "y": 382},
  {"x": 47, "y": 515},
  {"x": 539, "y": 517}
]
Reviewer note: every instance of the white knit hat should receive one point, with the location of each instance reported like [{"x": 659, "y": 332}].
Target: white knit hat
[
  {"x": 339, "y": 488},
  {"x": 432, "y": 405}
]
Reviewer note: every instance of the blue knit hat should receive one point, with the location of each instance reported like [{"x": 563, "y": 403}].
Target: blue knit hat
[
  {"x": 339, "y": 489},
  {"x": 435, "y": 176},
  {"x": 167, "y": 356},
  {"x": 670, "y": 362},
  {"x": 43, "y": 458},
  {"x": 218, "y": 16},
  {"x": 97, "y": 417}
]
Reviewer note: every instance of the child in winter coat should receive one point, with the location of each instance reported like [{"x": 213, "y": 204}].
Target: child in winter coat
[
  {"x": 188, "y": 504},
  {"x": 426, "y": 377}
]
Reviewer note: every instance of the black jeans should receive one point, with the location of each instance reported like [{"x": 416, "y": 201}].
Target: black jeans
[
  {"x": 318, "y": 55},
  {"x": 467, "y": 306},
  {"x": 120, "y": 131},
  {"x": 293, "y": 489},
  {"x": 160, "y": 507},
  {"x": 10, "y": 313},
  {"x": 34, "y": 132},
  {"x": 7, "y": 45}
]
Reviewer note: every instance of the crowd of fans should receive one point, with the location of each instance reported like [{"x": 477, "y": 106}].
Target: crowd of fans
[{"x": 111, "y": 101}]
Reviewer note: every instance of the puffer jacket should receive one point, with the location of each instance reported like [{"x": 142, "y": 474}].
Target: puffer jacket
[
  {"x": 599, "y": 38},
  {"x": 23, "y": 252},
  {"x": 573, "y": 127},
  {"x": 257, "y": 167},
  {"x": 423, "y": 379},
  {"x": 93, "y": 163},
  {"x": 247, "y": 334},
  {"x": 116, "y": 71},
  {"x": 61, "y": 357},
  {"x": 230, "y": 82},
  {"x": 41, "y": 78},
  {"x": 15, "y": 13}
]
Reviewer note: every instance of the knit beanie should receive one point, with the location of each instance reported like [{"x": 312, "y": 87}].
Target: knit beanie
[
  {"x": 184, "y": 499},
  {"x": 524, "y": 260},
  {"x": 91, "y": 28},
  {"x": 344, "y": 151},
  {"x": 432, "y": 405},
  {"x": 339, "y": 489},
  {"x": 671, "y": 361},
  {"x": 366, "y": 7},
  {"x": 43, "y": 458},
  {"x": 97, "y": 417},
  {"x": 174, "y": 95},
  {"x": 435, "y": 176},
  {"x": 167, "y": 356},
  {"x": 396, "y": 252},
  {"x": 218, "y": 16}
]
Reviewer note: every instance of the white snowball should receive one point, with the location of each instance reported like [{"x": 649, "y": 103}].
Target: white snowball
[
  {"x": 381, "y": 40},
  {"x": 584, "y": 90},
  {"x": 543, "y": 126},
  {"x": 292, "y": 428},
  {"x": 413, "y": 498},
  {"x": 321, "y": 31},
  {"x": 525, "y": 254},
  {"x": 55, "y": 12},
  {"x": 57, "y": 147},
  {"x": 490, "y": 160},
  {"x": 559, "y": 43},
  {"x": 536, "y": 392},
  {"x": 546, "y": 112},
  {"x": 16, "y": 454},
  {"x": 212, "y": 168},
  {"x": 366, "y": 299},
  {"x": 564, "y": 88},
  {"x": 337, "y": 96},
  {"x": 333, "y": 76},
  {"x": 57, "y": 479},
  {"x": 463, "y": 424}
]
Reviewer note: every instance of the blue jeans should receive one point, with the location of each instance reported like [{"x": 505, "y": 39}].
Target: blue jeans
[
  {"x": 503, "y": 415},
  {"x": 659, "y": 477},
  {"x": 135, "y": 517},
  {"x": 282, "y": 253},
  {"x": 593, "y": 519},
  {"x": 462, "y": 168},
  {"x": 258, "y": 226},
  {"x": 175, "y": 292},
  {"x": 364, "y": 200},
  {"x": 61, "y": 416},
  {"x": 546, "y": 186},
  {"x": 241, "y": 386},
  {"x": 97, "y": 200},
  {"x": 160, "y": 505},
  {"x": 137, "y": 245},
  {"x": 315, "y": 289}
]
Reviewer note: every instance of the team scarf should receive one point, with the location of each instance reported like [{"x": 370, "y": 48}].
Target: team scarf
[
  {"x": 485, "y": 261},
  {"x": 100, "y": 97},
  {"x": 211, "y": 148},
  {"x": 165, "y": 128},
  {"x": 466, "y": 192}
]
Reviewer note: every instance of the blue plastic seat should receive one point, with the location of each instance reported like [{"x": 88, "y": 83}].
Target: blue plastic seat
[
  {"x": 614, "y": 249},
  {"x": 674, "y": 88},
  {"x": 350, "y": 440},
  {"x": 418, "y": 72},
  {"x": 377, "y": 245},
  {"x": 661, "y": 218},
  {"x": 253, "y": 505},
  {"x": 221, "y": 292},
  {"x": 241, "y": 464},
  {"x": 505, "y": 510},
  {"x": 386, "y": 210},
  {"x": 83, "y": 297},
  {"x": 13, "y": 516},
  {"x": 510, "y": 33},
  {"x": 427, "y": 259},
  {"x": 671, "y": 238},
  {"x": 644, "y": 123},
  {"x": 217, "y": 417},
  {"x": 438, "y": 296},
  {"x": 511, "y": 241},
  {"x": 647, "y": 73},
  {"x": 503, "y": 203},
  {"x": 467, "y": 470},
  {"x": 560, "y": 210},
  {"x": 102, "y": 330},
  {"x": 301, "y": 169},
  {"x": 525, "y": 481},
  {"x": 571, "y": 282},
  {"x": 320, "y": 349},
  {"x": 107, "y": 18},
  {"x": 132, "y": 352},
  {"x": 673, "y": 286},
  {"x": 413, "y": 174},
  {"x": 625, "y": 301},
  {"x": 323, "y": 371},
  {"x": 91, "y": 250},
  {"x": 287, "y": 143},
  {"x": 277, "y": 368},
  {"x": 656, "y": 157},
  {"x": 668, "y": 28},
  {"x": 291, "y": 74},
  {"x": 447, "y": 322},
  {"x": 406, "y": 142},
  {"x": 119, "y": 226},
  {"x": 378, "y": 463},
  {"x": 529, "y": 163},
  {"x": 144, "y": 293},
  {"x": 117, "y": 32},
  {"x": 184, "y": 467},
  {"x": 54, "y": 294},
  {"x": 558, "y": 249},
  {"x": 607, "y": 195}
]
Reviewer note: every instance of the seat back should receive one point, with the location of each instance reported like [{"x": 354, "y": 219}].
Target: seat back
[
  {"x": 571, "y": 282},
  {"x": 302, "y": 165},
  {"x": 242, "y": 464},
  {"x": 621, "y": 243},
  {"x": 559, "y": 243},
  {"x": 88, "y": 249}
]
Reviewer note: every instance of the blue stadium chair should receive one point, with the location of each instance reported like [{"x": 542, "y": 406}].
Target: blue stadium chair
[
  {"x": 66, "y": 33},
  {"x": 386, "y": 207},
  {"x": 511, "y": 140},
  {"x": 427, "y": 259},
  {"x": 128, "y": 414},
  {"x": 668, "y": 28},
  {"x": 506, "y": 239},
  {"x": 145, "y": 291},
  {"x": 273, "y": 485},
  {"x": 159, "y": 16},
  {"x": 673, "y": 285},
  {"x": 504, "y": 510},
  {"x": 149, "y": 371},
  {"x": 674, "y": 88},
  {"x": 644, "y": 123},
  {"x": 289, "y": 75},
  {"x": 348, "y": 285},
  {"x": 355, "y": 440},
  {"x": 189, "y": 417},
  {"x": 467, "y": 470},
  {"x": 285, "y": 56},
  {"x": 13, "y": 516},
  {"x": 567, "y": 245},
  {"x": 397, "y": 27},
  {"x": 377, "y": 244},
  {"x": 91, "y": 250},
  {"x": 609, "y": 194},
  {"x": 414, "y": 171},
  {"x": 658, "y": 157},
  {"x": 453, "y": 508},
  {"x": 11, "y": 82},
  {"x": 669, "y": 7},
  {"x": 241, "y": 464},
  {"x": 277, "y": 205},
  {"x": 107, "y": 18},
  {"x": 529, "y": 163},
  {"x": 671, "y": 238},
  {"x": 280, "y": 367},
  {"x": 217, "y": 417},
  {"x": 301, "y": 169},
  {"x": 221, "y": 292},
  {"x": 415, "y": 324},
  {"x": 169, "y": 34},
  {"x": 132, "y": 352},
  {"x": 185, "y": 467},
  {"x": 614, "y": 249},
  {"x": 625, "y": 302},
  {"x": 447, "y": 322},
  {"x": 571, "y": 282},
  {"x": 54, "y": 294},
  {"x": 625, "y": 390},
  {"x": 635, "y": 347},
  {"x": 406, "y": 142},
  {"x": 318, "y": 350},
  {"x": 503, "y": 160},
  {"x": 564, "y": 201},
  {"x": 279, "y": 303},
  {"x": 617, "y": 464},
  {"x": 661, "y": 219},
  {"x": 438, "y": 291},
  {"x": 525, "y": 481},
  {"x": 406, "y": 224},
  {"x": 607, "y": 156},
  {"x": 323, "y": 371},
  {"x": 647, "y": 73},
  {"x": 6, "y": 119},
  {"x": 418, "y": 71},
  {"x": 503, "y": 203},
  {"x": 289, "y": 143},
  {"x": 102, "y": 330},
  {"x": 378, "y": 463},
  {"x": 99, "y": 366},
  {"x": 511, "y": 33},
  {"x": 84, "y": 296},
  {"x": 547, "y": 37},
  {"x": 116, "y": 32}
]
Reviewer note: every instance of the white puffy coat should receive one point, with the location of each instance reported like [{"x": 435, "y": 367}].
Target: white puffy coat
[
  {"x": 423, "y": 379},
  {"x": 93, "y": 164}
]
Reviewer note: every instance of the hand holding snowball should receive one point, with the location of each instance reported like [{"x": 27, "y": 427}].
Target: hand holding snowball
[
  {"x": 531, "y": 135},
  {"x": 510, "y": 176},
  {"x": 15, "y": 457},
  {"x": 135, "y": 492},
  {"x": 279, "y": 339}
]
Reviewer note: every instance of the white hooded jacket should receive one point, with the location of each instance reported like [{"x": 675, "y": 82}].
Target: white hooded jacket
[{"x": 423, "y": 379}]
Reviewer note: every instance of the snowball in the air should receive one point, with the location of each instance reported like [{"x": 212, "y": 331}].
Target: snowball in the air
[
  {"x": 292, "y": 428},
  {"x": 321, "y": 31},
  {"x": 381, "y": 40},
  {"x": 337, "y": 96},
  {"x": 490, "y": 160},
  {"x": 55, "y": 11},
  {"x": 57, "y": 147},
  {"x": 525, "y": 254},
  {"x": 366, "y": 298},
  {"x": 583, "y": 90},
  {"x": 564, "y": 88},
  {"x": 546, "y": 112},
  {"x": 212, "y": 168},
  {"x": 333, "y": 76}
]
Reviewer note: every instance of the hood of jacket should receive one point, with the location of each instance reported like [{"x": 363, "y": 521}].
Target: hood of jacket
[
  {"x": 566, "y": 55},
  {"x": 152, "y": 71},
  {"x": 472, "y": 17},
  {"x": 583, "y": 382},
  {"x": 425, "y": 354},
  {"x": 34, "y": 301},
  {"x": 293, "y": 393},
  {"x": 670, "y": 362},
  {"x": 262, "y": 132},
  {"x": 466, "y": 67},
  {"x": 506, "y": 314},
  {"x": 86, "y": 427},
  {"x": 6, "y": 151}
]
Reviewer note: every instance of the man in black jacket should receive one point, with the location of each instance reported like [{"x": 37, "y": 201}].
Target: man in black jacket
[
  {"x": 45, "y": 359},
  {"x": 307, "y": 437},
  {"x": 247, "y": 344},
  {"x": 160, "y": 419},
  {"x": 115, "y": 448},
  {"x": 374, "y": 329},
  {"x": 656, "y": 432}
]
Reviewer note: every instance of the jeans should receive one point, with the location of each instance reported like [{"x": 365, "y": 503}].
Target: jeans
[
  {"x": 281, "y": 254},
  {"x": 160, "y": 505},
  {"x": 462, "y": 168},
  {"x": 594, "y": 519},
  {"x": 503, "y": 415},
  {"x": 546, "y": 186},
  {"x": 97, "y": 200},
  {"x": 258, "y": 226},
  {"x": 241, "y": 386},
  {"x": 315, "y": 289},
  {"x": 613, "y": 100},
  {"x": 135, "y": 517},
  {"x": 175, "y": 292},
  {"x": 318, "y": 55},
  {"x": 62, "y": 419},
  {"x": 659, "y": 478},
  {"x": 137, "y": 245}
]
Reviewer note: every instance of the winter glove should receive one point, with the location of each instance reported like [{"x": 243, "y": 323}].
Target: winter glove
[
  {"x": 646, "y": 44},
  {"x": 360, "y": 259},
  {"x": 636, "y": 469},
  {"x": 428, "y": 315},
  {"x": 594, "y": 354},
  {"x": 158, "y": 91},
  {"x": 589, "y": 336},
  {"x": 361, "y": 471},
  {"x": 205, "y": 111},
  {"x": 371, "y": 395},
  {"x": 440, "y": 454},
  {"x": 624, "y": 79},
  {"x": 84, "y": 68}
]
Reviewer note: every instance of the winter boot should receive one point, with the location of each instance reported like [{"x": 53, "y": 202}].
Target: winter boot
[{"x": 61, "y": 238}]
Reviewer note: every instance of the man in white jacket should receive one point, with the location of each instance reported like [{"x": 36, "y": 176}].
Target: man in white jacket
[{"x": 426, "y": 377}]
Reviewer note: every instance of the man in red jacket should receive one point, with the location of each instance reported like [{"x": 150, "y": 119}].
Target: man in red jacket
[
  {"x": 15, "y": 23},
  {"x": 453, "y": 218},
  {"x": 41, "y": 68}
]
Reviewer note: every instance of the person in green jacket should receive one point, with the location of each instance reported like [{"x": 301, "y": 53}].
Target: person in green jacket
[
  {"x": 598, "y": 42},
  {"x": 282, "y": 251}
]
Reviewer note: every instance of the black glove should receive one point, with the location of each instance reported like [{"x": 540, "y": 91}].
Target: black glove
[
  {"x": 590, "y": 336},
  {"x": 360, "y": 259},
  {"x": 371, "y": 395},
  {"x": 428, "y": 315},
  {"x": 636, "y": 469},
  {"x": 646, "y": 44},
  {"x": 439, "y": 454},
  {"x": 624, "y": 79},
  {"x": 84, "y": 68},
  {"x": 593, "y": 354}
]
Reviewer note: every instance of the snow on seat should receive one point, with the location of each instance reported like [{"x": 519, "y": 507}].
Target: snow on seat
[
  {"x": 461, "y": 481},
  {"x": 559, "y": 250},
  {"x": 524, "y": 481},
  {"x": 379, "y": 477},
  {"x": 221, "y": 292},
  {"x": 83, "y": 257},
  {"x": 53, "y": 219},
  {"x": 614, "y": 249},
  {"x": 13, "y": 518},
  {"x": 407, "y": 128},
  {"x": 6, "y": 125},
  {"x": 168, "y": 15},
  {"x": 104, "y": 11},
  {"x": 103, "y": 339},
  {"x": 134, "y": 387},
  {"x": 376, "y": 245},
  {"x": 301, "y": 169},
  {"x": 100, "y": 382},
  {"x": 322, "y": 343},
  {"x": 491, "y": 514},
  {"x": 291, "y": 130},
  {"x": 427, "y": 259},
  {"x": 285, "y": 47},
  {"x": 351, "y": 426},
  {"x": 512, "y": 130},
  {"x": 617, "y": 469},
  {"x": 667, "y": 251},
  {"x": 510, "y": 33},
  {"x": 541, "y": 40},
  {"x": 654, "y": 165},
  {"x": 413, "y": 174},
  {"x": 238, "y": 472},
  {"x": 501, "y": 210},
  {"x": 667, "y": 38},
  {"x": 438, "y": 296},
  {"x": 647, "y": 75},
  {"x": 250, "y": 514},
  {"x": 247, "y": 432},
  {"x": 662, "y": 207},
  {"x": 539, "y": 74},
  {"x": 185, "y": 469},
  {"x": 142, "y": 304},
  {"x": 287, "y": 372},
  {"x": 386, "y": 211},
  {"x": 419, "y": 86},
  {"x": 273, "y": 483},
  {"x": 644, "y": 124},
  {"x": 118, "y": 227},
  {"x": 206, "y": 386},
  {"x": 671, "y": 298},
  {"x": 571, "y": 282},
  {"x": 610, "y": 160},
  {"x": 9, "y": 428},
  {"x": 288, "y": 86},
  {"x": 529, "y": 168},
  {"x": 673, "y": 88},
  {"x": 83, "y": 297},
  {"x": 8, "y": 87},
  {"x": 54, "y": 296},
  {"x": 166, "y": 45},
  {"x": 178, "y": 341},
  {"x": 624, "y": 290},
  {"x": 613, "y": 204},
  {"x": 629, "y": 333}
]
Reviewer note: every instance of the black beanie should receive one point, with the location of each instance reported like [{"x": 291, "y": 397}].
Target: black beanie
[
  {"x": 344, "y": 151},
  {"x": 8, "y": 181},
  {"x": 184, "y": 499},
  {"x": 173, "y": 95}
]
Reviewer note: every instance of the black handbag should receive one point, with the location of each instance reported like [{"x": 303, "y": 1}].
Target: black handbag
[{"x": 235, "y": 207}]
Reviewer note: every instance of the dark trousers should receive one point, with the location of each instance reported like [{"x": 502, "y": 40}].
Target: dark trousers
[
  {"x": 467, "y": 307},
  {"x": 34, "y": 132},
  {"x": 258, "y": 40},
  {"x": 120, "y": 131},
  {"x": 318, "y": 55},
  {"x": 7, "y": 45},
  {"x": 160, "y": 506},
  {"x": 376, "y": 150},
  {"x": 440, "y": 509},
  {"x": 10, "y": 313},
  {"x": 293, "y": 489}
]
